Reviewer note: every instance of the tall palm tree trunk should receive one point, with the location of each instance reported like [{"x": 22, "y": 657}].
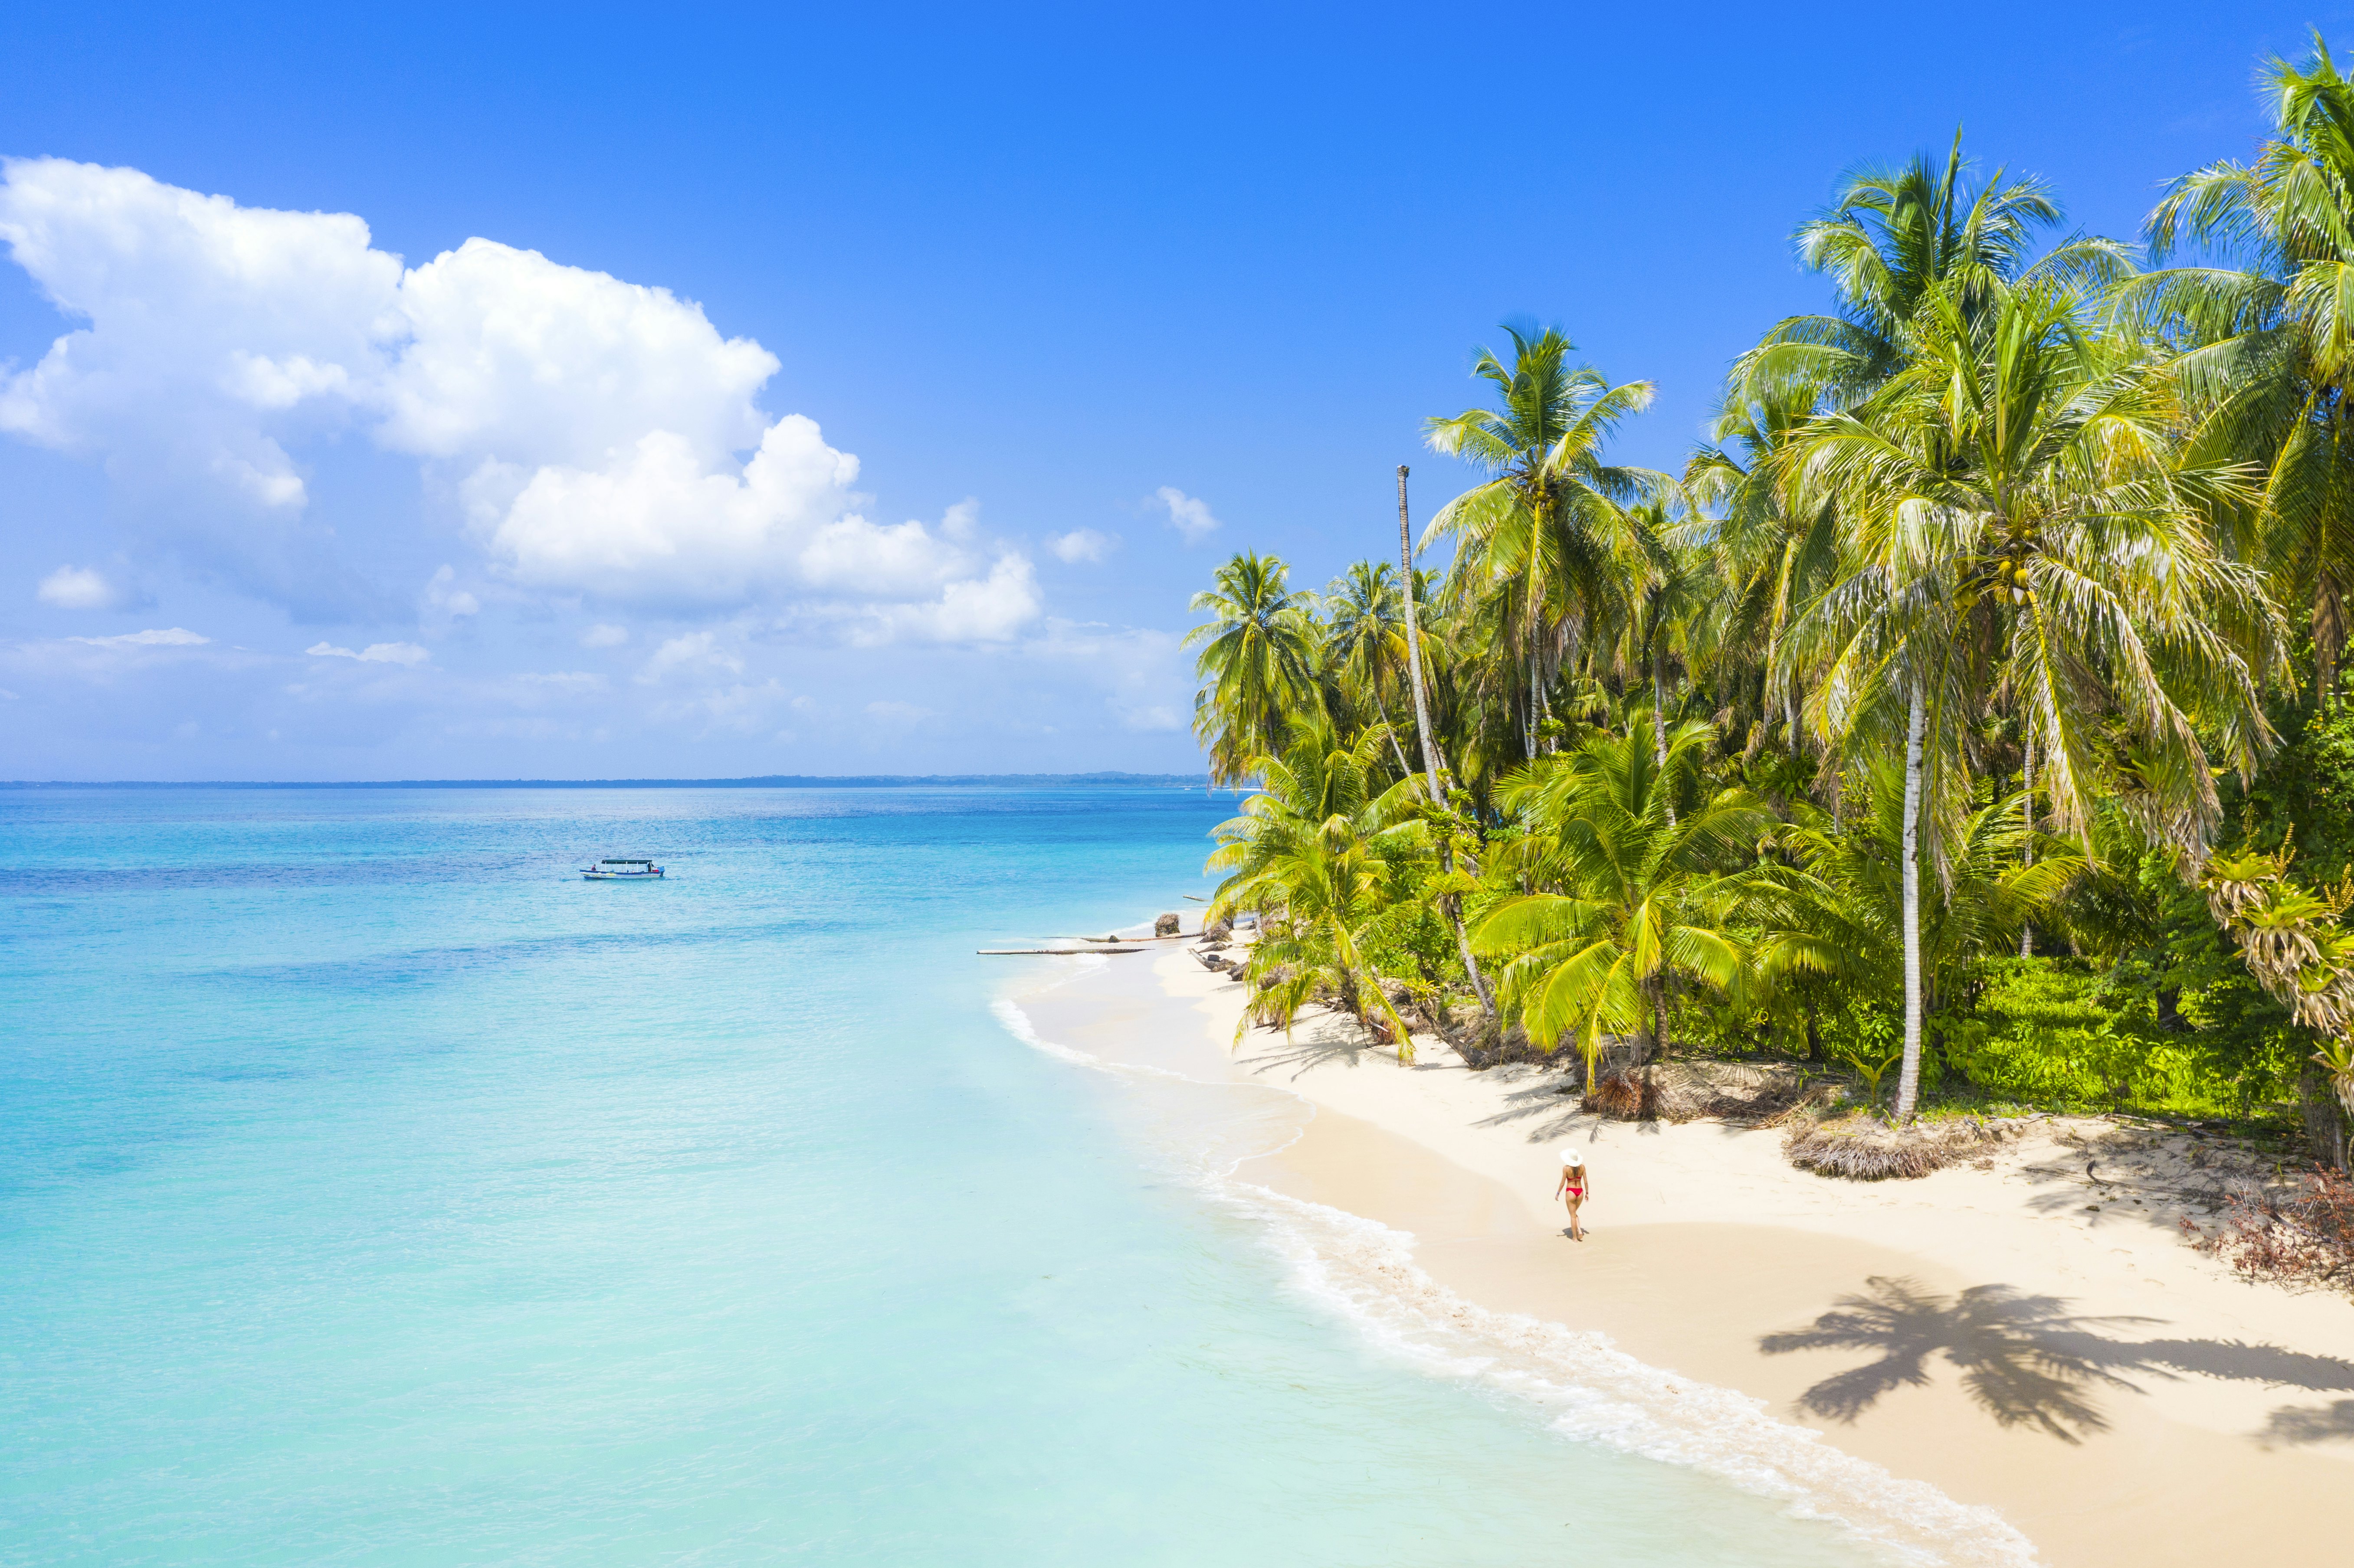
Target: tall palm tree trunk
[
  {"x": 2027, "y": 854},
  {"x": 2329, "y": 638},
  {"x": 1529, "y": 728},
  {"x": 1430, "y": 752},
  {"x": 1908, "y": 1081},
  {"x": 1659, "y": 729}
]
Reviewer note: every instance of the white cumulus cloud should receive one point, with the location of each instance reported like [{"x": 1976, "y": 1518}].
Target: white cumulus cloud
[
  {"x": 1078, "y": 545},
  {"x": 1189, "y": 514},
  {"x": 374, "y": 654},
  {"x": 593, "y": 431},
  {"x": 77, "y": 588},
  {"x": 973, "y": 610}
]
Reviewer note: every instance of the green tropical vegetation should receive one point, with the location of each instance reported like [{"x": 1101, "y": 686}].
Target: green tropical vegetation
[{"x": 1967, "y": 710}]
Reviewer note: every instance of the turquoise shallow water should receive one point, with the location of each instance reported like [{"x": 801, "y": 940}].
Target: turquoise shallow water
[{"x": 373, "y": 1191}]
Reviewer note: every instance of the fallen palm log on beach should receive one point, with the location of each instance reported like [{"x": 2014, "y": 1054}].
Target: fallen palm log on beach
[{"x": 1048, "y": 952}]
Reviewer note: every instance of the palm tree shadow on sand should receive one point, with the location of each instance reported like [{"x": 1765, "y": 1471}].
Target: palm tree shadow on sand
[
  {"x": 2295, "y": 1426},
  {"x": 2026, "y": 1361}
]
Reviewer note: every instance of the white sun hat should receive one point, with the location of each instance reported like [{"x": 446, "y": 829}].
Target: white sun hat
[{"x": 1570, "y": 1156}]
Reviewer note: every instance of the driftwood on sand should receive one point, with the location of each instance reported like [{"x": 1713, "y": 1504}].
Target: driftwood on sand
[{"x": 1048, "y": 952}]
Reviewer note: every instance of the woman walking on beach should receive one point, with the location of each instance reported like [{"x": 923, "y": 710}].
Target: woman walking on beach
[{"x": 1573, "y": 1188}]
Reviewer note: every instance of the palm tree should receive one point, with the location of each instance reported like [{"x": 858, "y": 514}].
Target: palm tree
[
  {"x": 2269, "y": 342},
  {"x": 1365, "y": 642},
  {"x": 1256, "y": 664},
  {"x": 1663, "y": 606},
  {"x": 1542, "y": 547},
  {"x": 1893, "y": 239},
  {"x": 1634, "y": 875},
  {"x": 2020, "y": 525},
  {"x": 1765, "y": 563},
  {"x": 1316, "y": 854}
]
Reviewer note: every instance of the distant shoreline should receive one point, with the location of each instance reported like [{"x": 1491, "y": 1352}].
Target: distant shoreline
[{"x": 769, "y": 781}]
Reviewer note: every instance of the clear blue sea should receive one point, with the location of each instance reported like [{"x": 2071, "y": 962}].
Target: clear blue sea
[{"x": 375, "y": 1191}]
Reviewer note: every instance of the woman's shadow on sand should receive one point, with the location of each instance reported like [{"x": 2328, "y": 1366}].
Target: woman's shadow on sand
[{"x": 2027, "y": 1360}]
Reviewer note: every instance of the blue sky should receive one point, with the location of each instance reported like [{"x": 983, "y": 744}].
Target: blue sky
[{"x": 1093, "y": 298}]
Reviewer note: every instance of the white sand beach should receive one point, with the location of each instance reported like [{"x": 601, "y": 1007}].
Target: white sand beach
[{"x": 2023, "y": 1336}]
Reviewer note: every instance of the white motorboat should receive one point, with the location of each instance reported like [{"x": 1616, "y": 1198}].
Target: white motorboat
[{"x": 622, "y": 871}]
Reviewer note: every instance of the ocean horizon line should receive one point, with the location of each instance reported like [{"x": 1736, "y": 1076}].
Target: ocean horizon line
[{"x": 762, "y": 782}]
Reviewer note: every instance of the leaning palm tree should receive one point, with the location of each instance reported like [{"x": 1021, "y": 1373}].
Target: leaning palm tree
[
  {"x": 1256, "y": 664},
  {"x": 1543, "y": 545},
  {"x": 1636, "y": 877},
  {"x": 2023, "y": 526},
  {"x": 1315, "y": 853},
  {"x": 2269, "y": 337}
]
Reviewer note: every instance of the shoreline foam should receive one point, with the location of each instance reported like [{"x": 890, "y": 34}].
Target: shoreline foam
[
  {"x": 1710, "y": 1244},
  {"x": 1579, "y": 1384}
]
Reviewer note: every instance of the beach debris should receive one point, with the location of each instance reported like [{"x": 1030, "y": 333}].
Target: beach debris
[
  {"x": 1861, "y": 1147},
  {"x": 2304, "y": 1236},
  {"x": 1482, "y": 1044},
  {"x": 1622, "y": 1096},
  {"x": 1687, "y": 1091},
  {"x": 1166, "y": 924},
  {"x": 1218, "y": 931},
  {"x": 1048, "y": 952}
]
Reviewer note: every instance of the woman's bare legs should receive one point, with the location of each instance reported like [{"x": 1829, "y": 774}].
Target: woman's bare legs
[{"x": 1576, "y": 1232}]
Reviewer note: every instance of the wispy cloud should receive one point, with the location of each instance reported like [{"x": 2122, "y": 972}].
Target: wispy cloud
[
  {"x": 78, "y": 588},
  {"x": 1189, "y": 514},
  {"x": 374, "y": 654},
  {"x": 691, "y": 653},
  {"x": 899, "y": 714},
  {"x": 168, "y": 636}
]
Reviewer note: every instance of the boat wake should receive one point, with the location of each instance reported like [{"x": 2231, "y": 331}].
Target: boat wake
[{"x": 1584, "y": 1386}]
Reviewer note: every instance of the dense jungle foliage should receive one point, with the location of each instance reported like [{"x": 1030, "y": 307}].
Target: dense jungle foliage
[{"x": 1966, "y": 711}]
